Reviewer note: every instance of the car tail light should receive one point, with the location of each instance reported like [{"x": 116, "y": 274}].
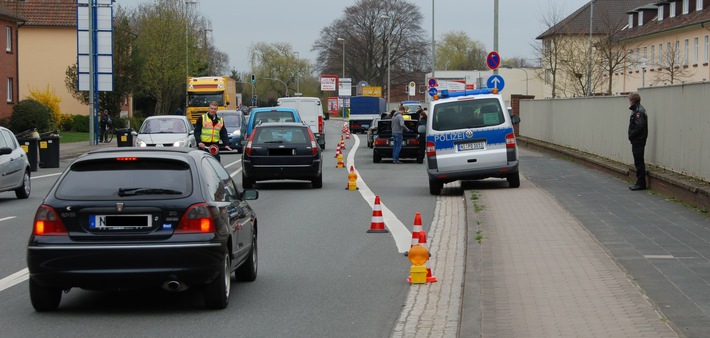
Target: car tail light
[
  {"x": 413, "y": 142},
  {"x": 314, "y": 144},
  {"x": 381, "y": 142},
  {"x": 320, "y": 124},
  {"x": 430, "y": 149},
  {"x": 510, "y": 140},
  {"x": 48, "y": 223},
  {"x": 247, "y": 149},
  {"x": 197, "y": 219}
]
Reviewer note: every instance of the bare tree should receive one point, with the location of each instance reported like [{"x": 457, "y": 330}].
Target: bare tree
[
  {"x": 367, "y": 29},
  {"x": 550, "y": 48},
  {"x": 672, "y": 69}
]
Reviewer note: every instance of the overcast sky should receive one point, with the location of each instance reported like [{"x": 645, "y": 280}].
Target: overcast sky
[{"x": 300, "y": 22}]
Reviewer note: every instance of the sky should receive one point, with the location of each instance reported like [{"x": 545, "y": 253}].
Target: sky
[{"x": 300, "y": 22}]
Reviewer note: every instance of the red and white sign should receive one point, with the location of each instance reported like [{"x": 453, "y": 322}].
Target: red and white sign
[{"x": 328, "y": 83}]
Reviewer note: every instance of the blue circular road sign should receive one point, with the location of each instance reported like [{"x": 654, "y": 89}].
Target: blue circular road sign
[
  {"x": 493, "y": 60},
  {"x": 495, "y": 81}
]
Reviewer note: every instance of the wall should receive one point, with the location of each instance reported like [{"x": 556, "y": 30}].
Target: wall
[
  {"x": 8, "y": 68},
  {"x": 45, "y": 54},
  {"x": 679, "y": 121}
]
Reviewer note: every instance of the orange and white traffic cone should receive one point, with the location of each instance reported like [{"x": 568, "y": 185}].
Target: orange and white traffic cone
[
  {"x": 416, "y": 230},
  {"x": 337, "y": 151},
  {"x": 378, "y": 222},
  {"x": 342, "y": 142}
]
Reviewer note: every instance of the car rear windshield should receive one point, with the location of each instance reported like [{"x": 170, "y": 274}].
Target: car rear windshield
[
  {"x": 232, "y": 120},
  {"x": 466, "y": 114},
  {"x": 290, "y": 135},
  {"x": 165, "y": 125},
  {"x": 126, "y": 178},
  {"x": 273, "y": 116}
]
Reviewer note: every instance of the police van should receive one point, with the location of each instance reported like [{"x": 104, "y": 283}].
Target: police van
[{"x": 470, "y": 136}]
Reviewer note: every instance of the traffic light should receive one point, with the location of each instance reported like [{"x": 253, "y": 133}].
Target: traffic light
[{"x": 253, "y": 78}]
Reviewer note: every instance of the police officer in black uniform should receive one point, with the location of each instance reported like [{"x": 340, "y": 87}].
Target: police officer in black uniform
[{"x": 638, "y": 133}]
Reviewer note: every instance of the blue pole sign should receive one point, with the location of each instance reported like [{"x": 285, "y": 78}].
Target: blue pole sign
[{"x": 495, "y": 81}]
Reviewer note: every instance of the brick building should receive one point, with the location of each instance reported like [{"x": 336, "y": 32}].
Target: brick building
[{"x": 9, "y": 78}]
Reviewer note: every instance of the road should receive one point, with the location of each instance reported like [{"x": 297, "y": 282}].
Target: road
[{"x": 320, "y": 272}]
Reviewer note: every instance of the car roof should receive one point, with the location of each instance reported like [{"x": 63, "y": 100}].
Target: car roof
[
  {"x": 166, "y": 117},
  {"x": 138, "y": 151},
  {"x": 230, "y": 112},
  {"x": 281, "y": 124},
  {"x": 267, "y": 109}
]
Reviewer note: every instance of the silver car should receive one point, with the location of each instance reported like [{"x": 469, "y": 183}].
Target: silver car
[
  {"x": 166, "y": 131},
  {"x": 14, "y": 165}
]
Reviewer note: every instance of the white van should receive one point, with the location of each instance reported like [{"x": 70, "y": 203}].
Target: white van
[
  {"x": 311, "y": 111},
  {"x": 470, "y": 137}
]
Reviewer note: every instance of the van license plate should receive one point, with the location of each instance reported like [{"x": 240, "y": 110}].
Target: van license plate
[{"x": 472, "y": 146}]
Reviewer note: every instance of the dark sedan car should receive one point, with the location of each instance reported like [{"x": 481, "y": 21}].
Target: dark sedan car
[
  {"x": 280, "y": 151},
  {"x": 233, "y": 121},
  {"x": 142, "y": 217}
]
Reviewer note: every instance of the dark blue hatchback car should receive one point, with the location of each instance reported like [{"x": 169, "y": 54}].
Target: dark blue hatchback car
[{"x": 233, "y": 121}]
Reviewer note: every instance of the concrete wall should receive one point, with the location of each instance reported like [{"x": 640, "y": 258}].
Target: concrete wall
[{"x": 679, "y": 126}]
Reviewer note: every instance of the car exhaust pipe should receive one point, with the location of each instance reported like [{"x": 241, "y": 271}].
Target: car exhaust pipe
[{"x": 174, "y": 286}]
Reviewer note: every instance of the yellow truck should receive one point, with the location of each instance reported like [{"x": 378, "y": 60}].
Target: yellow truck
[{"x": 203, "y": 90}]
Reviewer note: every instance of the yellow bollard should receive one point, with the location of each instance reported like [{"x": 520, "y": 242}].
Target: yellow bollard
[
  {"x": 418, "y": 255},
  {"x": 340, "y": 161},
  {"x": 352, "y": 179}
]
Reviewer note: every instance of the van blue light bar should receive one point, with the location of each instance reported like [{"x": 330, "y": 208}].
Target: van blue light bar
[{"x": 445, "y": 92}]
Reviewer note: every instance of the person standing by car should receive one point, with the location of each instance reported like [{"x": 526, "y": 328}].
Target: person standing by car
[
  {"x": 638, "y": 133},
  {"x": 104, "y": 123},
  {"x": 210, "y": 129},
  {"x": 421, "y": 129},
  {"x": 397, "y": 128}
]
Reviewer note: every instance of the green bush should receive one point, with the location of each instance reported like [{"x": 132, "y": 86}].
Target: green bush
[
  {"x": 81, "y": 123},
  {"x": 66, "y": 122},
  {"x": 30, "y": 114}
]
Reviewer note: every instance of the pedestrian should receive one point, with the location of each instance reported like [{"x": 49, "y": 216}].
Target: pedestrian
[
  {"x": 397, "y": 128},
  {"x": 421, "y": 129},
  {"x": 210, "y": 129},
  {"x": 179, "y": 112},
  {"x": 638, "y": 133},
  {"x": 105, "y": 123}
]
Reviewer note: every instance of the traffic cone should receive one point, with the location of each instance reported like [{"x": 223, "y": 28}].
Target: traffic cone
[
  {"x": 378, "y": 223},
  {"x": 352, "y": 179},
  {"x": 337, "y": 151},
  {"x": 340, "y": 163},
  {"x": 347, "y": 135},
  {"x": 342, "y": 142},
  {"x": 416, "y": 230}
]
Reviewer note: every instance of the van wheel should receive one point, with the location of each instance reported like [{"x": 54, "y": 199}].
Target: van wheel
[
  {"x": 376, "y": 158},
  {"x": 514, "y": 180},
  {"x": 435, "y": 187}
]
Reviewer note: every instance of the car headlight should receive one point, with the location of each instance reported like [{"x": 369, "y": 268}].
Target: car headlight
[
  {"x": 236, "y": 132},
  {"x": 140, "y": 143},
  {"x": 180, "y": 143}
]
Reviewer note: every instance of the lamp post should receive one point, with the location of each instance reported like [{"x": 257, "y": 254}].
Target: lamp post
[
  {"x": 343, "y": 41},
  {"x": 298, "y": 87},
  {"x": 433, "y": 52},
  {"x": 187, "y": 64},
  {"x": 589, "y": 66},
  {"x": 643, "y": 72},
  {"x": 389, "y": 45}
]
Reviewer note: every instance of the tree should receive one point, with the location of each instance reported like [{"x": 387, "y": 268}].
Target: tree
[
  {"x": 672, "y": 69},
  {"x": 277, "y": 69},
  {"x": 550, "y": 48},
  {"x": 457, "y": 51},
  {"x": 367, "y": 34}
]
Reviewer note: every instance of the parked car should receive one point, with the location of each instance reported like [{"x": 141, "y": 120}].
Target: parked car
[
  {"x": 372, "y": 132},
  {"x": 471, "y": 137},
  {"x": 383, "y": 142},
  {"x": 149, "y": 217},
  {"x": 233, "y": 121},
  {"x": 280, "y": 151},
  {"x": 268, "y": 114},
  {"x": 166, "y": 131},
  {"x": 14, "y": 166}
]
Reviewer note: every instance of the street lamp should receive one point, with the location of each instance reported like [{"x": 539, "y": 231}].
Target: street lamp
[
  {"x": 343, "y": 41},
  {"x": 389, "y": 45},
  {"x": 433, "y": 53},
  {"x": 298, "y": 87},
  {"x": 187, "y": 65}
]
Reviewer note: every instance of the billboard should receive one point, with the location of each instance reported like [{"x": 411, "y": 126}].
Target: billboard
[{"x": 328, "y": 83}]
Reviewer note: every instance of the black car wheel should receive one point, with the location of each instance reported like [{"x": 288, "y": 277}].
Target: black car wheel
[
  {"x": 317, "y": 182},
  {"x": 513, "y": 180},
  {"x": 247, "y": 271},
  {"x": 376, "y": 158},
  {"x": 247, "y": 183},
  {"x": 216, "y": 293},
  {"x": 24, "y": 191},
  {"x": 435, "y": 187},
  {"x": 43, "y": 298}
]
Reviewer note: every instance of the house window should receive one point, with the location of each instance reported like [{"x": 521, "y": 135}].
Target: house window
[
  {"x": 695, "y": 51},
  {"x": 652, "y": 59},
  {"x": 676, "y": 53},
  {"x": 640, "y": 19},
  {"x": 8, "y": 39},
  {"x": 660, "y": 13},
  {"x": 686, "y": 6},
  {"x": 707, "y": 49},
  {"x": 686, "y": 52},
  {"x": 9, "y": 89},
  {"x": 638, "y": 58},
  {"x": 698, "y": 5},
  {"x": 672, "y": 10},
  {"x": 631, "y": 20},
  {"x": 660, "y": 55}
]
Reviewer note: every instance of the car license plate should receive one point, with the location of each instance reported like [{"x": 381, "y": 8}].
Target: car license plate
[
  {"x": 471, "y": 146},
  {"x": 120, "y": 222}
]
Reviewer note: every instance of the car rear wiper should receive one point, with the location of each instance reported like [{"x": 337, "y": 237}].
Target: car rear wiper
[
  {"x": 146, "y": 191},
  {"x": 277, "y": 141}
]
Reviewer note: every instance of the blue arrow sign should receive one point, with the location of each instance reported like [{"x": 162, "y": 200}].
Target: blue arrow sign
[
  {"x": 495, "y": 81},
  {"x": 433, "y": 91}
]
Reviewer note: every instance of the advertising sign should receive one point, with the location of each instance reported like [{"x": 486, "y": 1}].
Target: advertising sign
[
  {"x": 333, "y": 106},
  {"x": 328, "y": 83},
  {"x": 372, "y": 91},
  {"x": 345, "y": 87}
]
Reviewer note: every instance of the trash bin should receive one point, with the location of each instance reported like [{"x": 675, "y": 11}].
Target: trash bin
[
  {"x": 29, "y": 145},
  {"x": 49, "y": 151},
  {"x": 124, "y": 137}
]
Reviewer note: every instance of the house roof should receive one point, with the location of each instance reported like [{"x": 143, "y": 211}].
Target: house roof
[
  {"x": 9, "y": 13},
  {"x": 667, "y": 24},
  {"x": 607, "y": 15},
  {"x": 45, "y": 12}
]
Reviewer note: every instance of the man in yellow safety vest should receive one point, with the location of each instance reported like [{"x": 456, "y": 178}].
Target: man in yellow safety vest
[{"x": 210, "y": 129}]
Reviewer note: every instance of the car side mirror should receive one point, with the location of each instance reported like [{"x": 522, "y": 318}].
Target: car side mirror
[
  {"x": 250, "y": 194},
  {"x": 515, "y": 119},
  {"x": 5, "y": 150}
]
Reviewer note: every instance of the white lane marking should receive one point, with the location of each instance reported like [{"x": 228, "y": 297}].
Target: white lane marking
[
  {"x": 233, "y": 163},
  {"x": 43, "y": 176},
  {"x": 7, "y": 218},
  {"x": 236, "y": 172},
  {"x": 658, "y": 256},
  {"x": 401, "y": 235},
  {"x": 14, "y": 279}
]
